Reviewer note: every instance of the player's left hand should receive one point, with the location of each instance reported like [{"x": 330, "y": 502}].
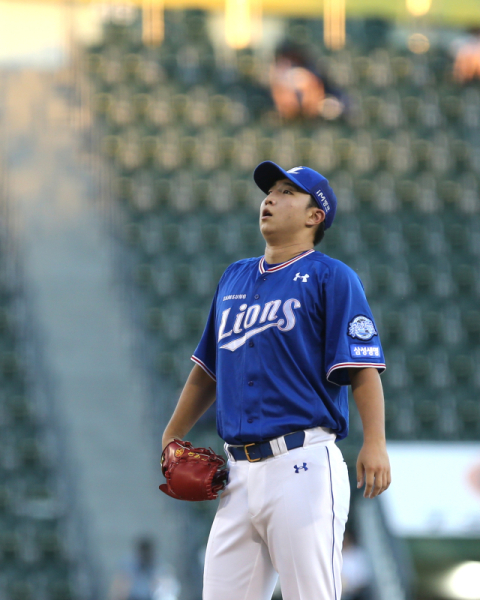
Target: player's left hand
[{"x": 373, "y": 468}]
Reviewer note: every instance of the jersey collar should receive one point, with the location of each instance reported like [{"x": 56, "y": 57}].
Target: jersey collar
[{"x": 262, "y": 269}]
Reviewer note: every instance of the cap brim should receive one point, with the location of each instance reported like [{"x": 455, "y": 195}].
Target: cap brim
[{"x": 267, "y": 173}]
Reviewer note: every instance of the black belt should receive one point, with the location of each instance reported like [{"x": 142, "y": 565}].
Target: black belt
[{"x": 259, "y": 450}]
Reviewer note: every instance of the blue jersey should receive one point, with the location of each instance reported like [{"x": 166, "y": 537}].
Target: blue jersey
[{"x": 279, "y": 342}]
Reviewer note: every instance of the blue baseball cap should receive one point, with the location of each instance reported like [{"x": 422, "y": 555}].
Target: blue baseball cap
[{"x": 308, "y": 180}]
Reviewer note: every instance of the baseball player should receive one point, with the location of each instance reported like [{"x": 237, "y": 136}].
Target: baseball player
[{"x": 286, "y": 334}]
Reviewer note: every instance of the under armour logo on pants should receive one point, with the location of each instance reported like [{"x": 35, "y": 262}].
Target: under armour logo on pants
[{"x": 297, "y": 469}]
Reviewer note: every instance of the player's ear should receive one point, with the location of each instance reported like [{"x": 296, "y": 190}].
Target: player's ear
[{"x": 315, "y": 216}]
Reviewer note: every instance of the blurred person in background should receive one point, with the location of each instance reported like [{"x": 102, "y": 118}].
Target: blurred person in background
[
  {"x": 357, "y": 573},
  {"x": 467, "y": 58},
  {"x": 140, "y": 578},
  {"x": 297, "y": 88}
]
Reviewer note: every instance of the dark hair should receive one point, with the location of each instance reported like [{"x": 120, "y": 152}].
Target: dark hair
[{"x": 320, "y": 231}]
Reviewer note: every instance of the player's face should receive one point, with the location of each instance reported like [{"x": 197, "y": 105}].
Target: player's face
[{"x": 284, "y": 212}]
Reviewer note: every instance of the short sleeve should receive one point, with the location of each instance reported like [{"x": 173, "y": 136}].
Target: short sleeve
[
  {"x": 351, "y": 336},
  {"x": 206, "y": 353}
]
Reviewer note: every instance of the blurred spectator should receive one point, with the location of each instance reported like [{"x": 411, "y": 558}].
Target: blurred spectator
[
  {"x": 296, "y": 89},
  {"x": 139, "y": 578},
  {"x": 356, "y": 571},
  {"x": 467, "y": 59}
]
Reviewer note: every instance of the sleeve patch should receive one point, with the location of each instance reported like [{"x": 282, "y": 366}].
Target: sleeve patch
[
  {"x": 362, "y": 327},
  {"x": 357, "y": 351}
]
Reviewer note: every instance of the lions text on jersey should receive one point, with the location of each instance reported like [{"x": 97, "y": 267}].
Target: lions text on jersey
[{"x": 279, "y": 341}]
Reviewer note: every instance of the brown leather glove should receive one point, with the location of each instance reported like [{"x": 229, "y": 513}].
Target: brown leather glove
[{"x": 192, "y": 474}]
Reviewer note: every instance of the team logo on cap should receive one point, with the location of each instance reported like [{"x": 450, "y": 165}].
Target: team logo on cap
[
  {"x": 362, "y": 328},
  {"x": 295, "y": 170},
  {"x": 323, "y": 201}
]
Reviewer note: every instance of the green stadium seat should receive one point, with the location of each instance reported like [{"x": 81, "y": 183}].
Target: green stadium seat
[
  {"x": 9, "y": 548},
  {"x": 344, "y": 150},
  {"x": 401, "y": 68},
  {"x": 211, "y": 237},
  {"x": 462, "y": 368},
  {"x": 452, "y": 108},
  {"x": 29, "y": 455},
  {"x": 396, "y": 377},
  {"x": 423, "y": 277},
  {"x": 171, "y": 239},
  {"x": 412, "y": 106},
  {"x": 20, "y": 590},
  {"x": 183, "y": 279},
  {"x": 49, "y": 546},
  {"x": 374, "y": 237},
  {"x": 422, "y": 151},
  {"x": 60, "y": 589},
  {"x": 408, "y": 192},
  {"x": 419, "y": 369},
  {"x": 381, "y": 74},
  {"x": 160, "y": 110},
  {"x": 393, "y": 327},
  {"x": 373, "y": 108},
  {"x": 5, "y": 503},
  {"x": 219, "y": 192},
  {"x": 251, "y": 241},
  {"x": 468, "y": 411},
  {"x": 155, "y": 320},
  {"x": 458, "y": 238},
  {"x": 427, "y": 413},
  {"x": 194, "y": 323},
  {"x": 466, "y": 279},
  {"x": 366, "y": 193},
  {"x": 430, "y": 114},
  {"x": 471, "y": 324},
  {"x": 433, "y": 327},
  {"x": 9, "y": 364},
  {"x": 381, "y": 280},
  {"x": 143, "y": 276},
  {"x": 19, "y": 411},
  {"x": 383, "y": 150},
  {"x": 415, "y": 237},
  {"x": 166, "y": 364}
]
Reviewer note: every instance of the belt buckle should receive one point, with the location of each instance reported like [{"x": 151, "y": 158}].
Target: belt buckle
[{"x": 248, "y": 456}]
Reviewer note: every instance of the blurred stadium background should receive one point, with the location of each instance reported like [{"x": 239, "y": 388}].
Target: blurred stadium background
[{"x": 128, "y": 135}]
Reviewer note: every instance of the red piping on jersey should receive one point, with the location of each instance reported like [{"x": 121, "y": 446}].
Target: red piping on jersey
[
  {"x": 283, "y": 265},
  {"x": 204, "y": 367},
  {"x": 354, "y": 364}
]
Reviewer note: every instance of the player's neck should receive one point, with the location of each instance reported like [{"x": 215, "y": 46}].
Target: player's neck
[{"x": 280, "y": 254}]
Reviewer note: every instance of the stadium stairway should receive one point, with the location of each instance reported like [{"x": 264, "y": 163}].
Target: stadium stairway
[{"x": 88, "y": 340}]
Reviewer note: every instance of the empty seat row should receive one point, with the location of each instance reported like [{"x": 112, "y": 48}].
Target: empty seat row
[
  {"x": 158, "y": 110},
  {"x": 204, "y": 241},
  {"x": 220, "y": 190},
  {"x": 418, "y": 325},
  {"x": 203, "y": 158},
  {"x": 429, "y": 417},
  {"x": 208, "y": 243}
]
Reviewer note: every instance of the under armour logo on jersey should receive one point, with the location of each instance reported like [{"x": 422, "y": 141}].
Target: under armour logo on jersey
[
  {"x": 298, "y": 469},
  {"x": 302, "y": 277}
]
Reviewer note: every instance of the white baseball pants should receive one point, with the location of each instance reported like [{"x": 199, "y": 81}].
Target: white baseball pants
[{"x": 284, "y": 516}]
